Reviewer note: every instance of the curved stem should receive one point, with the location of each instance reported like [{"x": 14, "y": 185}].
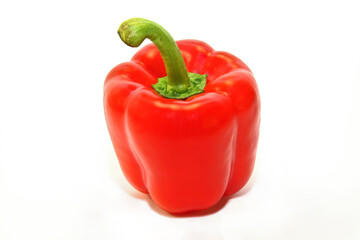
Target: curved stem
[{"x": 134, "y": 31}]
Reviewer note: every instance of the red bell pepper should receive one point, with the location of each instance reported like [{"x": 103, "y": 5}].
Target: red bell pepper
[{"x": 186, "y": 148}]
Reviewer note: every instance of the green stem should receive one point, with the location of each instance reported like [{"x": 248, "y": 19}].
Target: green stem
[{"x": 134, "y": 31}]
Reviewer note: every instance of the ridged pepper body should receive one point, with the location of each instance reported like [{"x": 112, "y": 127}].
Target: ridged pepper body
[{"x": 187, "y": 154}]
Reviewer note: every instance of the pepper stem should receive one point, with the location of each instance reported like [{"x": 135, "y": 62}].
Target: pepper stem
[{"x": 134, "y": 31}]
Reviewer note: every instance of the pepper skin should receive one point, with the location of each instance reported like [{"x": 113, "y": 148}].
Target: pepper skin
[{"x": 187, "y": 154}]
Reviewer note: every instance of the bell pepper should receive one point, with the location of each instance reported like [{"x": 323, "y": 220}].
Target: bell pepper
[{"x": 183, "y": 119}]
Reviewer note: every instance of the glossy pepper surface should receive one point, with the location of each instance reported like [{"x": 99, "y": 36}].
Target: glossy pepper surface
[{"x": 186, "y": 153}]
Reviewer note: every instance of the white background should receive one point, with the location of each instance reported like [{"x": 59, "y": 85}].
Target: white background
[{"x": 59, "y": 176}]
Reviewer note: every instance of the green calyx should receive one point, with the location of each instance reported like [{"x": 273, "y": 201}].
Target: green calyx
[
  {"x": 178, "y": 84},
  {"x": 197, "y": 85}
]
